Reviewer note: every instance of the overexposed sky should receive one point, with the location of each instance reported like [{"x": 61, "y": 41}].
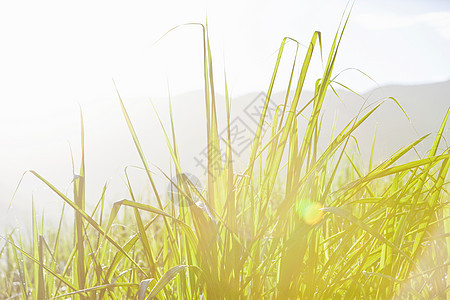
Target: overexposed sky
[
  {"x": 61, "y": 51},
  {"x": 57, "y": 54}
]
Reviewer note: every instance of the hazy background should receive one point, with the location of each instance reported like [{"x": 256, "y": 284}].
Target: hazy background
[{"x": 56, "y": 55}]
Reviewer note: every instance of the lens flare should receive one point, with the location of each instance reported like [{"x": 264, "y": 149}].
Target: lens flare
[{"x": 311, "y": 213}]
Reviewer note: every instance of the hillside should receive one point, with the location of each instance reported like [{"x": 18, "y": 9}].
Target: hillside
[{"x": 109, "y": 147}]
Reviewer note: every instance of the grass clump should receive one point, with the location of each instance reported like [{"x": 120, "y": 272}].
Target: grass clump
[{"x": 296, "y": 223}]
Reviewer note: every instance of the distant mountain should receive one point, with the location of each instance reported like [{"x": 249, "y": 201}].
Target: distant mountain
[
  {"x": 425, "y": 105},
  {"x": 109, "y": 147}
]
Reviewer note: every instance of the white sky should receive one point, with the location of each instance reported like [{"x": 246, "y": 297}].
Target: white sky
[
  {"x": 55, "y": 54},
  {"x": 61, "y": 51}
]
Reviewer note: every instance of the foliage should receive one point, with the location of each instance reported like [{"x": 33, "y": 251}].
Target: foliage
[{"x": 296, "y": 223}]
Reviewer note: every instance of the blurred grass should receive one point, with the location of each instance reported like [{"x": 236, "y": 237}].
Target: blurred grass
[{"x": 296, "y": 223}]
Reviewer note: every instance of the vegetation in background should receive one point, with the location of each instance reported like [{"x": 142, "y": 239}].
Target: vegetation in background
[{"x": 298, "y": 222}]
